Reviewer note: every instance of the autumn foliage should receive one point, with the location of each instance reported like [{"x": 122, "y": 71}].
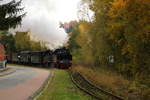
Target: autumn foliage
[{"x": 118, "y": 29}]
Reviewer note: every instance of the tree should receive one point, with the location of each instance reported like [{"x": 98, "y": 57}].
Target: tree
[
  {"x": 38, "y": 46},
  {"x": 22, "y": 41},
  {"x": 9, "y": 15},
  {"x": 120, "y": 28},
  {"x": 72, "y": 41},
  {"x": 129, "y": 29},
  {"x": 98, "y": 32},
  {"x": 84, "y": 12},
  {"x": 9, "y": 42}
]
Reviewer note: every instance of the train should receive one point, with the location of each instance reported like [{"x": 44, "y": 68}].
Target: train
[
  {"x": 62, "y": 58},
  {"x": 59, "y": 58}
]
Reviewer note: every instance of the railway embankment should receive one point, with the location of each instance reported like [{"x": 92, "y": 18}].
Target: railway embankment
[{"x": 107, "y": 85}]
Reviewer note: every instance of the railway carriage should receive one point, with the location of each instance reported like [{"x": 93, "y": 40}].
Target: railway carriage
[
  {"x": 47, "y": 58},
  {"x": 24, "y": 57},
  {"x": 36, "y": 58},
  {"x": 60, "y": 58}
]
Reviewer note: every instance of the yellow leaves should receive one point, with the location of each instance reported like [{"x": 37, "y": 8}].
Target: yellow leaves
[
  {"x": 128, "y": 49},
  {"x": 82, "y": 39},
  {"x": 115, "y": 28},
  {"x": 82, "y": 27},
  {"x": 116, "y": 7},
  {"x": 145, "y": 1},
  {"x": 119, "y": 4},
  {"x": 120, "y": 42},
  {"x": 144, "y": 34},
  {"x": 143, "y": 21}
]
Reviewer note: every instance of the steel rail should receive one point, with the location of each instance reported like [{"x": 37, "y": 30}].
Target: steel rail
[{"x": 82, "y": 83}]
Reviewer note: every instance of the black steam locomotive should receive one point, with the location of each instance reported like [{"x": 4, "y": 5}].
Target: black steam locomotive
[{"x": 60, "y": 58}]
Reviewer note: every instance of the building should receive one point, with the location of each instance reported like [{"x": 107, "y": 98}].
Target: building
[{"x": 2, "y": 57}]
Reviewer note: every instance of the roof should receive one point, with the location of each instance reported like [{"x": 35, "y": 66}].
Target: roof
[{"x": 33, "y": 52}]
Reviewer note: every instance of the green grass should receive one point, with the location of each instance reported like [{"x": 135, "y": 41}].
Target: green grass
[{"x": 61, "y": 88}]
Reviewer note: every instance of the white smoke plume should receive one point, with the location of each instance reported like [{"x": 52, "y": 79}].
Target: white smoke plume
[{"x": 43, "y": 17}]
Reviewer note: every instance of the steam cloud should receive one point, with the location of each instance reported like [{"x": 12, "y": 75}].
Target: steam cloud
[
  {"x": 43, "y": 22},
  {"x": 39, "y": 20}
]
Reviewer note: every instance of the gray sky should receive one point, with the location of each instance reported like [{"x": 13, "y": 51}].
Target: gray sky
[{"x": 43, "y": 17}]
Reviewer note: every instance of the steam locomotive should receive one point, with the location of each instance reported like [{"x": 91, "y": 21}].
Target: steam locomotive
[{"x": 60, "y": 58}]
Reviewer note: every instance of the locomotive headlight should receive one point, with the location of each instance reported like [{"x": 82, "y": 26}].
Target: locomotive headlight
[{"x": 19, "y": 56}]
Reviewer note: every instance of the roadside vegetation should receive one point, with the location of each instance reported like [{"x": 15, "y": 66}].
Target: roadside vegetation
[
  {"x": 114, "y": 83},
  {"x": 114, "y": 45},
  {"x": 61, "y": 88}
]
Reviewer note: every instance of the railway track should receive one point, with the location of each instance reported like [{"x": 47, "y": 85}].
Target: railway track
[{"x": 82, "y": 83}]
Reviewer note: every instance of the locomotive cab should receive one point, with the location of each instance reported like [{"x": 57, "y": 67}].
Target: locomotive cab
[{"x": 64, "y": 59}]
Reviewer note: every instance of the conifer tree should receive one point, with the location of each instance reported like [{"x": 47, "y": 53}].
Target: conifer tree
[{"x": 10, "y": 16}]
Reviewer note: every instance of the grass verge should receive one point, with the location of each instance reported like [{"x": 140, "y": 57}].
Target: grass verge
[{"x": 61, "y": 88}]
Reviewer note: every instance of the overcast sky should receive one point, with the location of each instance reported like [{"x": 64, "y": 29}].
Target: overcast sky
[{"x": 43, "y": 17}]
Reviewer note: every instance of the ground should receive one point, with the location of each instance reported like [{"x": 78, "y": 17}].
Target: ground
[
  {"x": 23, "y": 83},
  {"x": 62, "y": 88}
]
